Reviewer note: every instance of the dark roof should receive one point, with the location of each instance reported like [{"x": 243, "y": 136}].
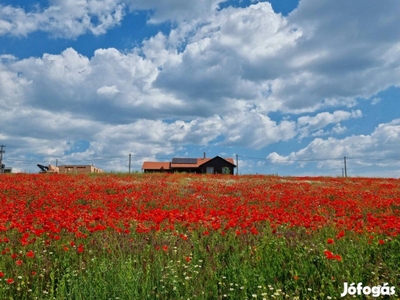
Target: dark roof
[{"x": 229, "y": 160}]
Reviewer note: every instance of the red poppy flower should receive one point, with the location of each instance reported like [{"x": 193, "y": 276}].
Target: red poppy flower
[
  {"x": 80, "y": 248},
  {"x": 330, "y": 255},
  {"x": 340, "y": 235},
  {"x": 330, "y": 241},
  {"x": 165, "y": 248},
  {"x": 10, "y": 280},
  {"x": 30, "y": 254},
  {"x": 254, "y": 230},
  {"x": 1, "y": 274},
  {"x": 381, "y": 242},
  {"x": 18, "y": 262}
]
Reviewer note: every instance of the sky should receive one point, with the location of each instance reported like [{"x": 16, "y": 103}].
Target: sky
[{"x": 293, "y": 88}]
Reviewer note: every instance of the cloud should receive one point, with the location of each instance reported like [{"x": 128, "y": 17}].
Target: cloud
[
  {"x": 379, "y": 147},
  {"x": 343, "y": 51},
  {"x": 295, "y": 65},
  {"x": 111, "y": 86},
  {"x": 375, "y": 100},
  {"x": 222, "y": 60},
  {"x": 63, "y": 18},
  {"x": 235, "y": 57},
  {"x": 11, "y": 85},
  {"x": 108, "y": 91},
  {"x": 308, "y": 124},
  {"x": 279, "y": 159},
  {"x": 216, "y": 78},
  {"x": 175, "y": 10},
  {"x": 71, "y": 18},
  {"x": 256, "y": 130}
]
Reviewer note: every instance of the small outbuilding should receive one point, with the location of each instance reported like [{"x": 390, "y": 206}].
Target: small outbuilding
[
  {"x": 9, "y": 170},
  {"x": 70, "y": 169},
  {"x": 79, "y": 169}
]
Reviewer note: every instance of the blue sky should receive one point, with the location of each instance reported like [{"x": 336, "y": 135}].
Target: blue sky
[{"x": 291, "y": 87}]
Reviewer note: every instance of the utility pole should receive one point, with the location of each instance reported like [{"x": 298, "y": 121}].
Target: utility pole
[
  {"x": 237, "y": 165},
  {"x": 57, "y": 162},
  {"x": 1, "y": 159},
  {"x": 130, "y": 158},
  {"x": 345, "y": 167}
]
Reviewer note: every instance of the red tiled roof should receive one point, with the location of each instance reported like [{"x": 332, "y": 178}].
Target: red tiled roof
[
  {"x": 156, "y": 165},
  {"x": 230, "y": 160}
]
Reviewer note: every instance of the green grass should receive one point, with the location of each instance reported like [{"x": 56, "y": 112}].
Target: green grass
[{"x": 162, "y": 265}]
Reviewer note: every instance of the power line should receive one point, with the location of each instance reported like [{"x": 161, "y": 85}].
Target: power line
[
  {"x": 108, "y": 158},
  {"x": 344, "y": 164},
  {"x": 372, "y": 162},
  {"x": 321, "y": 159},
  {"x": 75, "y": 160}
]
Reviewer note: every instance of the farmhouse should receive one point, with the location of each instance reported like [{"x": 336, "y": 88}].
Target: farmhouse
[{"x": 216, "y": 165}]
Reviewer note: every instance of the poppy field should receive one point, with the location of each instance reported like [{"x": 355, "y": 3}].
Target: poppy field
[{"x": 182, "y": 236}]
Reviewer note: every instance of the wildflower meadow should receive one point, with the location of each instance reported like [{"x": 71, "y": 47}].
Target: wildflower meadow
[{"x": 183, "y": 236}]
